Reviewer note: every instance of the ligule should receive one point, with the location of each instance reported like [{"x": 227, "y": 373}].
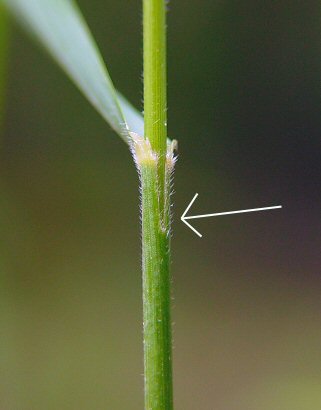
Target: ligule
[{"x": 142, "y": 151}]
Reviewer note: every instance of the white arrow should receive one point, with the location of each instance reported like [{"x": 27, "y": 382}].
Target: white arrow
[{"x": 242, "y": 211}]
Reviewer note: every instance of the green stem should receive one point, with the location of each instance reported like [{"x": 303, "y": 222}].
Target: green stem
[
  {"x": 154, "y": 170},
  {"x": 155, "y": 96}
]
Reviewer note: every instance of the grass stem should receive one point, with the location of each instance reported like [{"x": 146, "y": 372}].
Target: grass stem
[
  {"x": 155, "y": 166},
  {"x": 155, "y": 95}
]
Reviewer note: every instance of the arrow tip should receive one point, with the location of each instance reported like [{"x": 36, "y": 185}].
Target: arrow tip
[{"x": 183, "y": 217}]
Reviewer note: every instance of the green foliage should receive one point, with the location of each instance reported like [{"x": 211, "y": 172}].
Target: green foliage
[{"x": 59, "y": 26}]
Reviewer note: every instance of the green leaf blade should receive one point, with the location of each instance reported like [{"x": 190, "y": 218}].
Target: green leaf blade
[
  {"x": 134, "y": 118},
  {"x": 60, "y": 27}
]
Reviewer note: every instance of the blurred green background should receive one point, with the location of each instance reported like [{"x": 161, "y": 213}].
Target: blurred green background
[{"x": 244, "y": 104}]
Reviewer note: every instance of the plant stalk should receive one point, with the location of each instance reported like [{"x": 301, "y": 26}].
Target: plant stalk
[
  {"x": 155, "y": 95},
  {"x": 155, "y": 166}
]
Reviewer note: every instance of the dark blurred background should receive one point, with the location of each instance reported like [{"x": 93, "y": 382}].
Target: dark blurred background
[{"x": 244, "y": 104}]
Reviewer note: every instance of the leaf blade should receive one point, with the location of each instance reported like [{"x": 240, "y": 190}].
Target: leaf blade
[
  {"x": 60, "y": 27},
  {"x": 134, "y": 118}
]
